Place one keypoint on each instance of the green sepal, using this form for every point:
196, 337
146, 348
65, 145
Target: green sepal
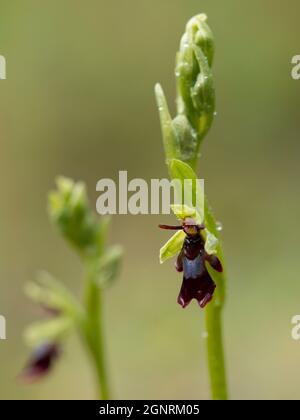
193, 197
211, 243
172, 247
182, 171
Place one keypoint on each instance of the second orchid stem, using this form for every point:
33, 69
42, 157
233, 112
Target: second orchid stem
94, 334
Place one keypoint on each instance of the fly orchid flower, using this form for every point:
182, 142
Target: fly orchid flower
193, 255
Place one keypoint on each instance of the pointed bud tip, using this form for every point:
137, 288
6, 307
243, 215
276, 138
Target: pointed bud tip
195, 20
158, 89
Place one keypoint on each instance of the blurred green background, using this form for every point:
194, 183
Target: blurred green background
79, 101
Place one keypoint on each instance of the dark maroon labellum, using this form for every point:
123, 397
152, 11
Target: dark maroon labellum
197, 282
40, 363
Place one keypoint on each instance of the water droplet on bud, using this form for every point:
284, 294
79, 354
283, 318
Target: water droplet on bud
219, 227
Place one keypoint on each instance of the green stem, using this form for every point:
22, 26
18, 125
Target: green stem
213, 321
215, 352
94, 333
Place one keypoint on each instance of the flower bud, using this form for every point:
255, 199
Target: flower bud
70, 212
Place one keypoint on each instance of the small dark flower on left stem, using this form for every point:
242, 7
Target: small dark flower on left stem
40, 362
